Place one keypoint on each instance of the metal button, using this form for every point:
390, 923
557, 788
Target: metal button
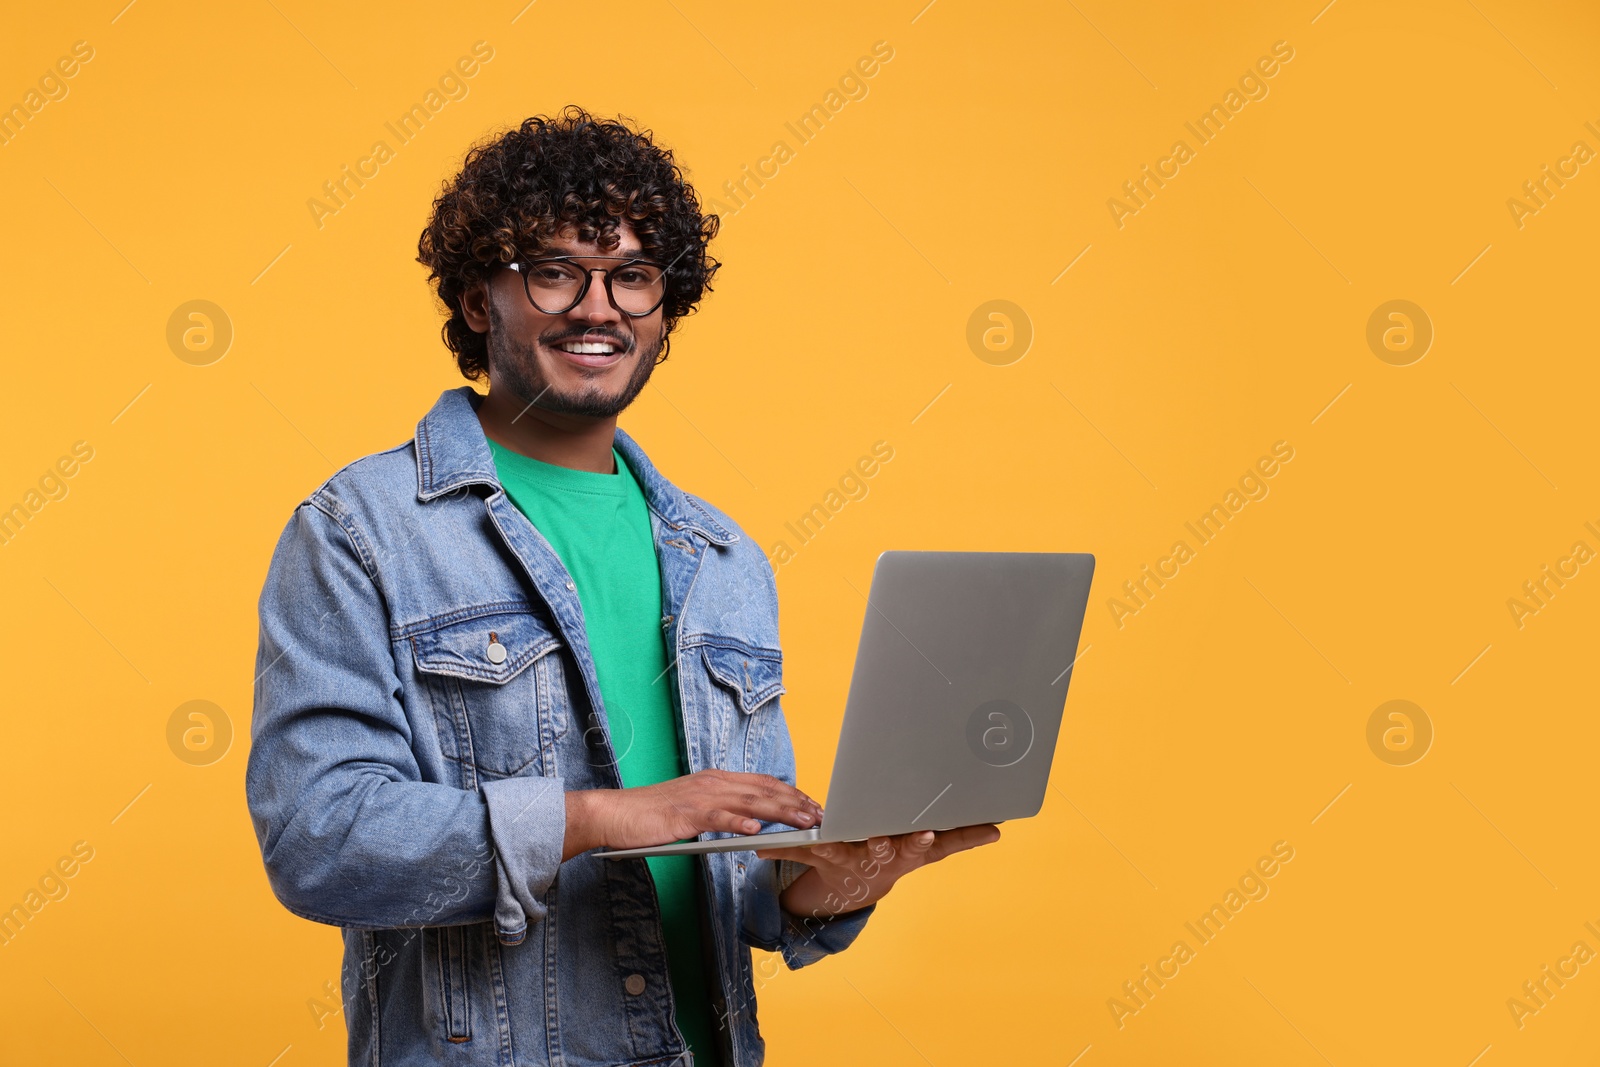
634, 984
570, 587
497, 651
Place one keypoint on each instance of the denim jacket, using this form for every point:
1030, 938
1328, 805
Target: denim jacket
424, 696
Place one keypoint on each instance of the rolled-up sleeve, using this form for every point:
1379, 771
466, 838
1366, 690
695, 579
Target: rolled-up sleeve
799, 939
350, 834
527, 822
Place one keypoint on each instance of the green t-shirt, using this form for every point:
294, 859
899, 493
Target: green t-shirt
599, 525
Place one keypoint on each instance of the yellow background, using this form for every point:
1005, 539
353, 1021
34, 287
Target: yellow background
1229, 313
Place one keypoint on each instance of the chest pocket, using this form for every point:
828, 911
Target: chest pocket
498, 695
747, 678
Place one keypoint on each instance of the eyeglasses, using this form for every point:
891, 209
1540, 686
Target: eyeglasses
556, 285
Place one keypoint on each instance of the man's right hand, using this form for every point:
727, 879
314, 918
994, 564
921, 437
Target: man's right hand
682, 808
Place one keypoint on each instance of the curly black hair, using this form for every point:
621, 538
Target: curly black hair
517, 191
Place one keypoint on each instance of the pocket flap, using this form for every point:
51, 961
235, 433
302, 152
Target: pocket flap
487, 648
754, 675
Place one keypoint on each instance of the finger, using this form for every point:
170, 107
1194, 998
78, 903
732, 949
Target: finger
766, 784
799, 853
860, 855
831, 854
748, 808
961, 839
900, 853
765, 797
725, 821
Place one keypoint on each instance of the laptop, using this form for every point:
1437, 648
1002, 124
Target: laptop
955, 700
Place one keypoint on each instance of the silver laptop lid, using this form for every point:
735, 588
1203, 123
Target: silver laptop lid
958, 690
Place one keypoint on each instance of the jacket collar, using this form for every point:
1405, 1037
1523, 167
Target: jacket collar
452, 452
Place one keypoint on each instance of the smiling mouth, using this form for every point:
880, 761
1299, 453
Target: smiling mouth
589, 348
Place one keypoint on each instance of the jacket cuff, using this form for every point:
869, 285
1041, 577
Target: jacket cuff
528, 828
801, 939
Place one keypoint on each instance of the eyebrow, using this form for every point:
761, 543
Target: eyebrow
621, 253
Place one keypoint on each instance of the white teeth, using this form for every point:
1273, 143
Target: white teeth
591, 348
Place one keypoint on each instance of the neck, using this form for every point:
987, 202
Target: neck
580, 442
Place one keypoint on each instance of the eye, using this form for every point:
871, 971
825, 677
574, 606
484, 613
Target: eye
551, 274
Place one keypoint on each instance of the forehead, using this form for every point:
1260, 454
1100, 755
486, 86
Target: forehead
566, 241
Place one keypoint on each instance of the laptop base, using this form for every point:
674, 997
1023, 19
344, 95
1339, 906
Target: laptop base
772, 839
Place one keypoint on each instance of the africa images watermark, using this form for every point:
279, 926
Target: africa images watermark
52, 486
1541, 190
52, 886
1252, 485
1538, 992
51, 86
1252, 86
1537, 592
352, 178
852, 87
1251, 886
806, 928
852, 485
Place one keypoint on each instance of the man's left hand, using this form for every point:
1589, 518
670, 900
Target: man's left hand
847, 876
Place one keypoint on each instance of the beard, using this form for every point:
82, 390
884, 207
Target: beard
517, 363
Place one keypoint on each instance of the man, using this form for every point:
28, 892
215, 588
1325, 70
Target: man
509, 641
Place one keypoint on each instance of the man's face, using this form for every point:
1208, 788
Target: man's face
531, 353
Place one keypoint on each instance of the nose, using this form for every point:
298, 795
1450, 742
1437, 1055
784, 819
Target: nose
596, 308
